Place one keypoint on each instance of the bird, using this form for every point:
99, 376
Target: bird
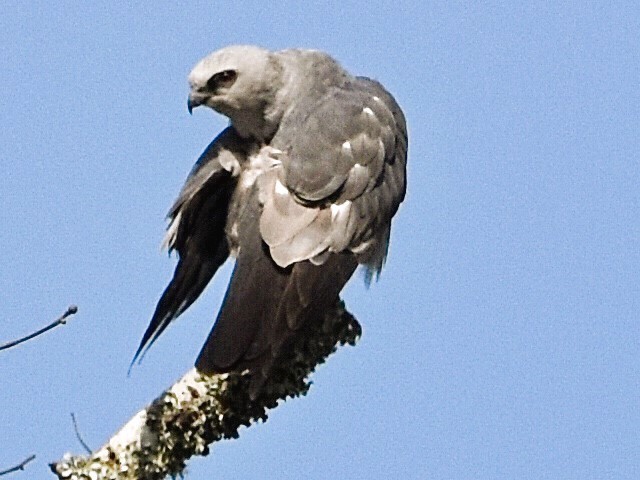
300, 189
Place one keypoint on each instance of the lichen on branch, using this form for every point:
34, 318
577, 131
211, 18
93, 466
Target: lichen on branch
201, 409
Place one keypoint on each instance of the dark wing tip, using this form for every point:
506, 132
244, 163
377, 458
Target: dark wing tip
157, 325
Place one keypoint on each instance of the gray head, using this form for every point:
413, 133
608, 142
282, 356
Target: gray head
240, 82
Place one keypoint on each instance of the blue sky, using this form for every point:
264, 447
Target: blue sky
502, 340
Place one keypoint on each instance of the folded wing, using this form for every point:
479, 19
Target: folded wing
323, 207
342, 178
197, 230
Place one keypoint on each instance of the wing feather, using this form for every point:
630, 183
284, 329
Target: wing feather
197, 231
349, 153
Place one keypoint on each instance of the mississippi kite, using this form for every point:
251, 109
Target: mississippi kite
300, 189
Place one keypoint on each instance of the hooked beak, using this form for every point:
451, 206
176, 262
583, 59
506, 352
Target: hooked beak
194, 101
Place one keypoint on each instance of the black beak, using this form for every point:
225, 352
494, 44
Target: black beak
193, 103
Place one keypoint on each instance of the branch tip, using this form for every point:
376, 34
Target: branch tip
60, 321
18, 467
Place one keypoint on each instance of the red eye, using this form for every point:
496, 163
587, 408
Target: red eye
225, 79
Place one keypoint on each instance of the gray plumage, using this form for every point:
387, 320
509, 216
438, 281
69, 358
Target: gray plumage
300, 188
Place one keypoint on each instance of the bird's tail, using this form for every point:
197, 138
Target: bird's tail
266, 305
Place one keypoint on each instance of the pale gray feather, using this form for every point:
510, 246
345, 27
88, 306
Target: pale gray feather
301, 187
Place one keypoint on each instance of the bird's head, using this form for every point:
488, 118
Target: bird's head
239, 82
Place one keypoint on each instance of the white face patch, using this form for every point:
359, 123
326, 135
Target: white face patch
368, 111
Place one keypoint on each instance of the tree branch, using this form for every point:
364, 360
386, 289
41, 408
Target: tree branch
199, 410
60, 321
18, 467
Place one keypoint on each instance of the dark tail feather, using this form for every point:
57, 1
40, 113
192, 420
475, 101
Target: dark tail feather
312, 291
265, 305
248, 310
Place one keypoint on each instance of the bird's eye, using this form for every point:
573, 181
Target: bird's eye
225, 79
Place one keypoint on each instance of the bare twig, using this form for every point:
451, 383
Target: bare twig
78, 436
18, 467
60, 321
